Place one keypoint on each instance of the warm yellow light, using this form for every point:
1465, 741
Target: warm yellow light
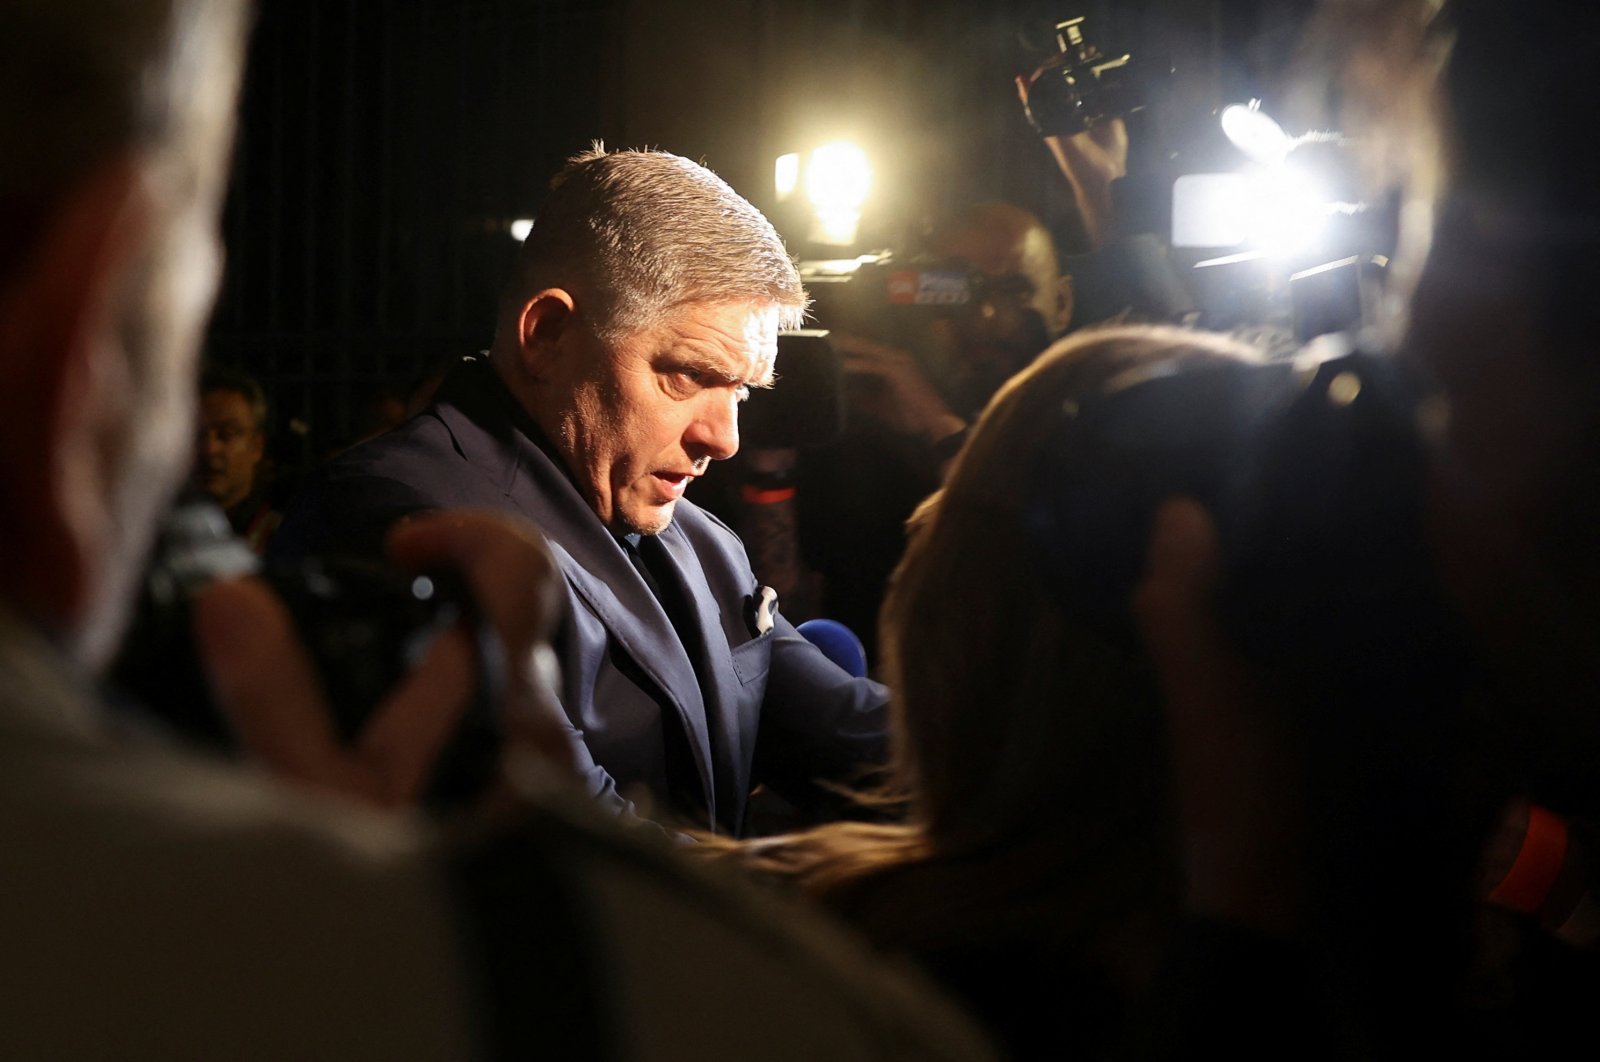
520, 229
786, 175
838, 178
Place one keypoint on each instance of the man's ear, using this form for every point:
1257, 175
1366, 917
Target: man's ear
1065, 300
65, 377
544, 321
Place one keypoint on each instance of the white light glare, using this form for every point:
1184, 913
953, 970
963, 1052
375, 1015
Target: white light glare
838, 177
520, 229
786, 175
1289, 211
1278, 211
1254, 133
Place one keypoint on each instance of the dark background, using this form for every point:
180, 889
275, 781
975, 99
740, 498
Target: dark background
386, 145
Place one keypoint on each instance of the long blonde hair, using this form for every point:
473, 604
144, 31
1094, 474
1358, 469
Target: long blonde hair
1024, 745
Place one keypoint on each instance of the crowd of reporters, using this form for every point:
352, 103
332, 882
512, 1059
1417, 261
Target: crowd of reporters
1268, 730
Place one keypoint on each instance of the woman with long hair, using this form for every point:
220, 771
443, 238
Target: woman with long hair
1031, 863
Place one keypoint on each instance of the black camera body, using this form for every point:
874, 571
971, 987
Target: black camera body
365, 626
892, 300
1088, 86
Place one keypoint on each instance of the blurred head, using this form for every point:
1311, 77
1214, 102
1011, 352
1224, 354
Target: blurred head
1499, 273
115, 124
645, 303
1013, 722
1024, 301
232, 437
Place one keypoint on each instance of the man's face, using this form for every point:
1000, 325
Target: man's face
229, 446
638, 419
1021, 307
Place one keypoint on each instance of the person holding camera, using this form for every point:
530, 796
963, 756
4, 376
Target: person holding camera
907, 410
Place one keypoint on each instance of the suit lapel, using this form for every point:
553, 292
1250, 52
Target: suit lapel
723, 688
481, 420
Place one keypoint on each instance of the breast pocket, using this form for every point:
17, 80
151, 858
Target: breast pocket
753, 659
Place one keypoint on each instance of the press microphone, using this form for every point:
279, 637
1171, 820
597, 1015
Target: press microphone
838, 643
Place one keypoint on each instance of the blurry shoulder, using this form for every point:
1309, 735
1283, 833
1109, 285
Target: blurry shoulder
169, 904
423, 438
753, 973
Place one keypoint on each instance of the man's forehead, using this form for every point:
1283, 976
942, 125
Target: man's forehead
738, 339
225, 405
1005, 251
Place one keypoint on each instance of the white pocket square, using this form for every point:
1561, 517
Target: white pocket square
766, 607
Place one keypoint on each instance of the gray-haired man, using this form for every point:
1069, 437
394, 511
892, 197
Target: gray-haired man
645, 304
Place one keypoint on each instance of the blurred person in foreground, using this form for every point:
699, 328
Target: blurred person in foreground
164, 906
1034, 872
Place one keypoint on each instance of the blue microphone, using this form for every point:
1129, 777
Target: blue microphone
838, 643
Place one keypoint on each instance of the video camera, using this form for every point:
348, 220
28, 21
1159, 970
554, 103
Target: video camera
893, 301
1278, 242
1086, 86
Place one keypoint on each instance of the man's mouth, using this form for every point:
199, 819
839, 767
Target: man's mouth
674, 483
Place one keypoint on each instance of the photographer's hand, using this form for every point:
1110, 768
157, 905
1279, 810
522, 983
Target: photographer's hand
1090, 161
1238, 770
266, 683
912, 405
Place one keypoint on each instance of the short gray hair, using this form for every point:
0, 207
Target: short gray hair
634, 234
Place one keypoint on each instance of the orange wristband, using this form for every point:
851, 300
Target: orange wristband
1538, 862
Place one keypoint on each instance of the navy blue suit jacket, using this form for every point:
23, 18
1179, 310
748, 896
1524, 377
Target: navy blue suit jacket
772, 710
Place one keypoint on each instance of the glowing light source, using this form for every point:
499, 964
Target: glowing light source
1275, 206
1279, 211
786, 175
1254, 133
1290, 211
839, 177
520, 229
836, 179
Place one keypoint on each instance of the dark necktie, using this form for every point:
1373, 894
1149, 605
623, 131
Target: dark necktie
650, 559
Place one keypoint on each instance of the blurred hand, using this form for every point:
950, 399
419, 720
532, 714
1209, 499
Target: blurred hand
910, 403
1238, 769
264, 679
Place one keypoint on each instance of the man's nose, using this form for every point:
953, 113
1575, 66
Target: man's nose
714, 433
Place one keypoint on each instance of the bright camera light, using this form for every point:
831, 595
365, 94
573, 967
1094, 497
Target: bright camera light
520, 229
838, 177
786, 175
1290, 211
1254, 133
1279, 211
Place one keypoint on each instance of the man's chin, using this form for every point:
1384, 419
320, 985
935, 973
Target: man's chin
647, 520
